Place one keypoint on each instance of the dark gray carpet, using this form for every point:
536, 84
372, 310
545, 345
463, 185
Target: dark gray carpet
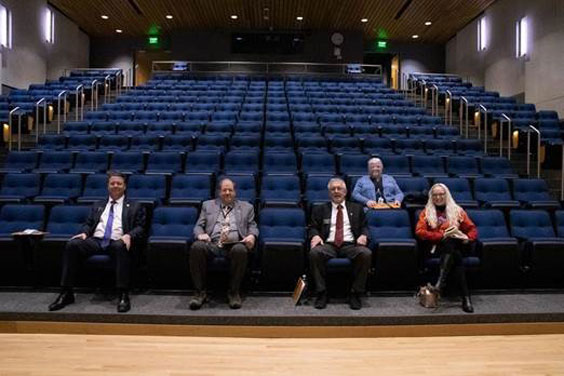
264, 310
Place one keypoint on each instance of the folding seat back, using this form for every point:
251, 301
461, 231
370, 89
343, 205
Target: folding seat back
211, 141
173, 223
280, 190
245, 186
318, 163
242, 162
531, 224
17, 187
353, 164
113, 143
103, 128
190, 189
51, 142
55, 161
559, 222
131, 129
408, 146
280, 163
204, 161
469, 147
490, 223
245, 142
344, 144
14, 218
388, 224
81, 142
311, 143
428, 166
497, 167
396, 165
533, 192
459, 189
179, 142
282, 224
95, 189
66, 220
146, 142
463, 166
76, 127
60, 188
90, 162
129, 162
19, 161
316, 189
164, 163
415, 189
149, 189
491, 190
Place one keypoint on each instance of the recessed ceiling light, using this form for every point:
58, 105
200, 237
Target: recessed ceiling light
428, 23
299, 18
415, 36
239, 38
169, 17
104, 17
119, 31
234, 16
364, 20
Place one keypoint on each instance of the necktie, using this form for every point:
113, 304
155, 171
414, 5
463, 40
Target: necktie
223, 235
339, 227
109, 225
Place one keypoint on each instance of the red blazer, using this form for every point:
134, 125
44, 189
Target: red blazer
425, 232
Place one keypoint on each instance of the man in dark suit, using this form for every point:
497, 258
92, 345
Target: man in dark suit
226, 227
115, 226
338, 229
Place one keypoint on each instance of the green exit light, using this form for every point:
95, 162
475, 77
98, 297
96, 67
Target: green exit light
382, 44
153, 40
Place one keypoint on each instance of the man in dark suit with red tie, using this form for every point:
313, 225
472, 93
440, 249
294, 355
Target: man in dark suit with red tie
114, 227
338, 229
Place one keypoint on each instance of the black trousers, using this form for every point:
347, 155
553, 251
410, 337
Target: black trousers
77, 250
202, 252
360, 256
452, 251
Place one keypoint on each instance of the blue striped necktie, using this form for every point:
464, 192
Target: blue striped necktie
109, 225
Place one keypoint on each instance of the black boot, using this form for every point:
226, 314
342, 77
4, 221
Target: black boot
467, 304
443, 274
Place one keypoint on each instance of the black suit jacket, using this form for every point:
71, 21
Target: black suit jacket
320, 221
133, 220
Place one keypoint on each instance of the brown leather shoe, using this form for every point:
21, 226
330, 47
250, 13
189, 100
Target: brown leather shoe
234, 299
198, 300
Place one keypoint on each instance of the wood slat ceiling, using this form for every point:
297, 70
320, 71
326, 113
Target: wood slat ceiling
137, 17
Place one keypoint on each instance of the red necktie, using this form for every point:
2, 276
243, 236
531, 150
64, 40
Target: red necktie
339, 227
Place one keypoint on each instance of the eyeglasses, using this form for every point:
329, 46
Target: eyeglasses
438, 194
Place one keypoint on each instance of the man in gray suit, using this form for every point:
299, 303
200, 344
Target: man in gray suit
226, 227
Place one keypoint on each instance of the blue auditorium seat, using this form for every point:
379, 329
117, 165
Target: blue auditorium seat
497, 167
494, 193
242, 162
190, 189
395, 250
543, 251
54, 161
206, 161
282, 244
280, 191
500, 253
128, 162
313, 162
463, 167
428, 166
245, 142
19, 187
460, 191
81, 142
164, 162
90, 162
178, 142
19, 161
103, 128
169, 239
95, 189
534, 194
280, 162
147, 189
51, 142
353, 164
148, 142
115, 143
211, 141
379, 146
59, 189
316, 191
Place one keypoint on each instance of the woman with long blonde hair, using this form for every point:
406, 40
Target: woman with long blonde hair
446, 227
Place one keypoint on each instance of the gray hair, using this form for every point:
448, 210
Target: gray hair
375, 159
334, 180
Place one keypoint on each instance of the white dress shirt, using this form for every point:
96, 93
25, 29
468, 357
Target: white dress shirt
347, 232
117, 228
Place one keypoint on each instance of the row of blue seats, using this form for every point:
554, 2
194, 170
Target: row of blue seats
272, 161
529, 240
277, 188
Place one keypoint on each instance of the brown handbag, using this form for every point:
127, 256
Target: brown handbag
428, 296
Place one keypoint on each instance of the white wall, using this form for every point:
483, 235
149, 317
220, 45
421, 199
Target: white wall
31, 60
540, 77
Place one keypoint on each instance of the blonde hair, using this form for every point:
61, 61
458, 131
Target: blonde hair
453, 212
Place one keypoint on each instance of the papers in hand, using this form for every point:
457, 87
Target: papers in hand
28, 232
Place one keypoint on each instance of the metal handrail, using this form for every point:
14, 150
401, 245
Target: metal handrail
78, 104
508, 121
448, 108
423, 85
42, 100
463, 100
19, 128
531, 128
94, 94
64, 93
108, 87
434, 100
482, 107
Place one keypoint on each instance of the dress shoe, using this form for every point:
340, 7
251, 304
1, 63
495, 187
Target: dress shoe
321, 300
467, 304
198, 300
354, 301
234, 300
64, 299
123, 304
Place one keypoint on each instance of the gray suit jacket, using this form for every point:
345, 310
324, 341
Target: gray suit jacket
244, 214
